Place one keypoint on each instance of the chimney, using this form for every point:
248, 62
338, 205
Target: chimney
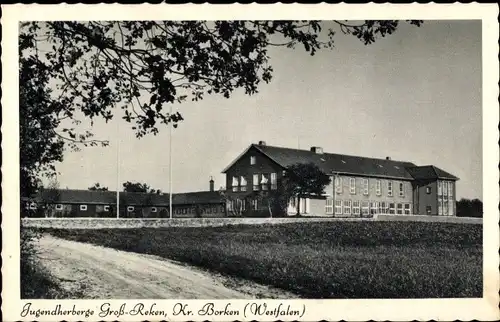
317, 150
262, 142
387, 158
211, 184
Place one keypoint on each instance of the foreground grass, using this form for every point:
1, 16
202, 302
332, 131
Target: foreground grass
322, 260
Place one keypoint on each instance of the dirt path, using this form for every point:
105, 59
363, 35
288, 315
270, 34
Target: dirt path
92, 272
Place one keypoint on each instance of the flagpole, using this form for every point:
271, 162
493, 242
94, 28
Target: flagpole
170, 166
118, 169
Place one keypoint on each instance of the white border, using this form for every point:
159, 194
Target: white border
442, 309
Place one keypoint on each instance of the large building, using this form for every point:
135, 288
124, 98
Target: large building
91, 203
359, 186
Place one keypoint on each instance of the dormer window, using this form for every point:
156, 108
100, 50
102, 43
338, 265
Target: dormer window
252, 160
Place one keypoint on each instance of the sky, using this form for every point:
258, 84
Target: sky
414, 96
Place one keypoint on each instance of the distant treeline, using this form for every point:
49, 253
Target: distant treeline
470, 208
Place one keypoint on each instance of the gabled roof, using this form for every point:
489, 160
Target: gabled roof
129, 198
431, 172
335, 163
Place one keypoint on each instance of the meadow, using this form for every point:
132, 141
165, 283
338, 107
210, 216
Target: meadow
320, 259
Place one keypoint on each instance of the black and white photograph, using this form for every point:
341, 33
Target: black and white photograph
202, 167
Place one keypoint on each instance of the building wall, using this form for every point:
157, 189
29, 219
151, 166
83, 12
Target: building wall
426, 203
243, 167
374, 201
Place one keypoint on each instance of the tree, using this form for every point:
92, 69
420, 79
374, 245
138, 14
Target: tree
50, 196
143, 68
469, 208
139, 187
304, 179
97, 187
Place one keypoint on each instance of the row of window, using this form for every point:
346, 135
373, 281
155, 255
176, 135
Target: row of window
445, 188
260, 181
339, 188
365, 207
106, 208
240, 205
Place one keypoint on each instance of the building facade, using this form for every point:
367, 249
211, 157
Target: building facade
359, 187
102, 204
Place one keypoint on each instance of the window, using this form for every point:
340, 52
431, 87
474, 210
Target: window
391, 208
378, 187
229, 205
59, 207
373, 207
255, 182
338, 184
338, 207
264, 182
355, 207
365, 186
445, 207
428, 210
235, 184
252, 160
365, 207
243, 184
106, 208
240, 204
450, 189
83, 207
347, 207
329, 207
254, 204
428, 190
445, 188
400, 209
130, 208
407, 209
451, 209
352, 185
401, 189
440, 188
383, 207
274, 181
153, 209
389, 188
440, 207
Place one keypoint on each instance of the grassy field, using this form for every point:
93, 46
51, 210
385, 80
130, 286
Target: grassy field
322, 260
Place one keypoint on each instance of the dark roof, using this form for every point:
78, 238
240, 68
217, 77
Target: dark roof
129, 198
429, 172
338, 163
331, 163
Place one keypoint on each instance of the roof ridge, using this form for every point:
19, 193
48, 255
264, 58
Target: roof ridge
434, 169
330, 153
